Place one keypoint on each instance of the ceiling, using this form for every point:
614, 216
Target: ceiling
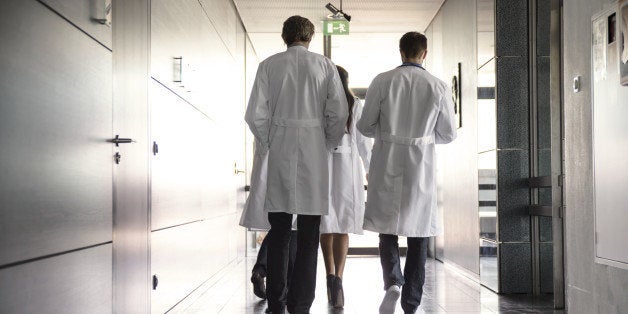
376, 26
380, 16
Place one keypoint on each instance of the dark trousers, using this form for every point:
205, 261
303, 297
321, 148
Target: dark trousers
261, 263
301, 294
413, 275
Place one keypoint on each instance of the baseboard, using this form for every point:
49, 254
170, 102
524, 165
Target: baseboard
460, 270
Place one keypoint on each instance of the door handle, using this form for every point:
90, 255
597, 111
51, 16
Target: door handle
236, 170
117, 140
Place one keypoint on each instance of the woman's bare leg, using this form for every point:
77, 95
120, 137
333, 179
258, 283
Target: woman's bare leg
327, 246
340, 247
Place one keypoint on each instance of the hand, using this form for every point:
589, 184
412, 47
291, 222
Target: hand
367, 177
260, 237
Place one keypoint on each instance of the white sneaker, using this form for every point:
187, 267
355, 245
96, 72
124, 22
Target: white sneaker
390, 300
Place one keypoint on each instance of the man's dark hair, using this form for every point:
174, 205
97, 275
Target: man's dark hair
297, 28
413, 44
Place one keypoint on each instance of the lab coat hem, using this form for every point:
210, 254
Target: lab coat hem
252, 229
401, 233
358, 232
295, 212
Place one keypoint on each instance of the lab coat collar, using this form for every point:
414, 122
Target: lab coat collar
297, 46
407, 64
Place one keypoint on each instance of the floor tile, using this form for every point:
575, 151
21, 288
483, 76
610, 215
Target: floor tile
445, 291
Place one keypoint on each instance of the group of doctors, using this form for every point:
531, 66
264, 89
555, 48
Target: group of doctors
307, 179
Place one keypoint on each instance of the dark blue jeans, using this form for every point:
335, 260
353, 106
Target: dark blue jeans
413, 276
300, 296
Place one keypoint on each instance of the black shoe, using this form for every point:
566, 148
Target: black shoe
330, 284
338, 294
259, 288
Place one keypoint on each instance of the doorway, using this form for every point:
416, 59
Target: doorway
520, 153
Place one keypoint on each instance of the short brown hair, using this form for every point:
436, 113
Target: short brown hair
297, 28
412, 44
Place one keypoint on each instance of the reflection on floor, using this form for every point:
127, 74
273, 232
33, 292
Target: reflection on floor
488, 271
446, 291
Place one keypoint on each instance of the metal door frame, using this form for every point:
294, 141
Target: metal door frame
131, 177
557, 149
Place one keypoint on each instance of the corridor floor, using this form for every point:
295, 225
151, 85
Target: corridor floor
445, 291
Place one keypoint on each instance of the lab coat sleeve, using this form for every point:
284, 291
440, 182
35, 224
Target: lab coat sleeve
370, 114
258, 112
335, 112
445, 130
365, 144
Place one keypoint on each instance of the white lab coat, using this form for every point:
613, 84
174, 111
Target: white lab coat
253, 216
297, 110
346, 183
407, 111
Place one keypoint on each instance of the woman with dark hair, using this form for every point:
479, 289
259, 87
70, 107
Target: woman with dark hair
346, 196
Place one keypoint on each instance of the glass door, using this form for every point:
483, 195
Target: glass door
487, 145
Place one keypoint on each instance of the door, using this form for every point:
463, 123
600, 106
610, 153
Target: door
56, 162
546, 150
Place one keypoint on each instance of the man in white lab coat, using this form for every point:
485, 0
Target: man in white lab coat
297, 110
407, 111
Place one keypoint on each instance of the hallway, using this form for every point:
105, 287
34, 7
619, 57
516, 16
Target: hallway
445, 291
126, 161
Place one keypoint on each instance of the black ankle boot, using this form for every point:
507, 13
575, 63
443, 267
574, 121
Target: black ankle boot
330, 285
259, 287
338, 295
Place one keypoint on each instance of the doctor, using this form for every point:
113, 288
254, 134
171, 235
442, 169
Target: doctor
407, 111
296, 111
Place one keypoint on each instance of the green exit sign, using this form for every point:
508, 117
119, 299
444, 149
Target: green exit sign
339, 27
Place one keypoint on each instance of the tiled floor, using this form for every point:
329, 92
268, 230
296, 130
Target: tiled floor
446, 291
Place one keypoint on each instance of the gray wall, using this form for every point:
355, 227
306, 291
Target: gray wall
452, 39
590, 287
198, 124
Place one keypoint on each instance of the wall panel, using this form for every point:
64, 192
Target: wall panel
78, 282
457, 162
224, 18
590, 287
208, 70
79, 13
55, 120
197, 187
184, 257
186, 170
